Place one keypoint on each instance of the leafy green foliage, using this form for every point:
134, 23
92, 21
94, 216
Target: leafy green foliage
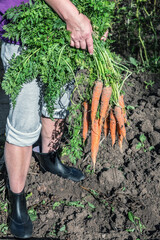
33, 214
47, 56
4, 228
148, 83
136, 221
63, 229
70, 203
141, 144
136, 32
3, 206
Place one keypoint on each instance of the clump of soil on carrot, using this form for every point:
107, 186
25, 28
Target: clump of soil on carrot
98, 207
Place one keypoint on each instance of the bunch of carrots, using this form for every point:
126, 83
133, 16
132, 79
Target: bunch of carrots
107, 111
110, 119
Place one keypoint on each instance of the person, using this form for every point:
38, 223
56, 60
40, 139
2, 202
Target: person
28, 119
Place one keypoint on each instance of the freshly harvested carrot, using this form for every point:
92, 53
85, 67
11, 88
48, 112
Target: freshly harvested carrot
120, 138
106, 95
95, 139
120, 120
122, 105
112, 127
85, 120
97, 90
106, 127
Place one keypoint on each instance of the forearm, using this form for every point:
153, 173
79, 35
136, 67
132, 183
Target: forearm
64, 8
78, 24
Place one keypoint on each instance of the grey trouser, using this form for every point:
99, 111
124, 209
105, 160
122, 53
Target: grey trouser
24, 120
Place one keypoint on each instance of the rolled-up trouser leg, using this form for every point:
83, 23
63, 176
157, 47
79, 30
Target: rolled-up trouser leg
23, 123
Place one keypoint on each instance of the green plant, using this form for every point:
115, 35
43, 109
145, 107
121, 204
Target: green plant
141, 144
136, 30
33, 214
88, 169
29, 195
75, 204
150, 83
3, 206
95, 193
57, 204
52, 233
3, 228
129, 107
63, 229
92, 207
70, 203
136, 221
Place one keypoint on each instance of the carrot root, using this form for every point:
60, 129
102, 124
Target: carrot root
106, 127
120, 139
105, 98
122, 105
95, 139
112, 127
85, 120
120, 120
97, 90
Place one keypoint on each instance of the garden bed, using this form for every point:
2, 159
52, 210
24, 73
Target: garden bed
121, 199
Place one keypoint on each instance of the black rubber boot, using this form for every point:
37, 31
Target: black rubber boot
2, 164
19, 221
50, 162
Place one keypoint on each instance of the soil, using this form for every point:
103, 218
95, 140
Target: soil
120, 200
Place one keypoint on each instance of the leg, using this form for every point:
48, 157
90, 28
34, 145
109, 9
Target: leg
17, 163
51, 133
22, 130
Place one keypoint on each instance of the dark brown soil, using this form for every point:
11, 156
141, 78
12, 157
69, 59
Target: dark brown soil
123, 183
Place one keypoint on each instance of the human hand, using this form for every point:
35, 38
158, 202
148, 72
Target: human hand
105, 36
81, 33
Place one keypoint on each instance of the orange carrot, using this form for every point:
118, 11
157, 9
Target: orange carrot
85, 120
122, 105
106, 127
120, 120
120, 138
106, 95
95, 139
112, 127
97, 90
